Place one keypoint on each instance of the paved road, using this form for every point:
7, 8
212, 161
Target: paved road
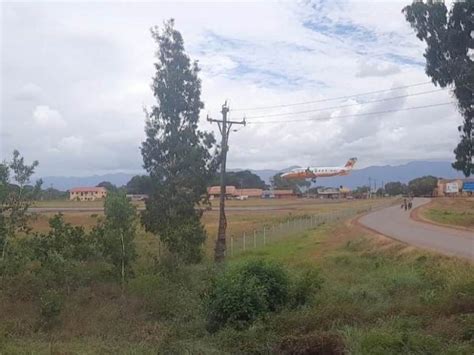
396, 223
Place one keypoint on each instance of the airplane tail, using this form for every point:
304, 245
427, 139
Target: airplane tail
350, 163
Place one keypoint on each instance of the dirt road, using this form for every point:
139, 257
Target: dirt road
396, 223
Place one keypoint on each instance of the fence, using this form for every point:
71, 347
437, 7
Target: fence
292, 225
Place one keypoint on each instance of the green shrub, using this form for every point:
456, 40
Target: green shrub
245, 292
305, 286
50, 308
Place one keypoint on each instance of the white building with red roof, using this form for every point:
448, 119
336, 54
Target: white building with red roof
87, 193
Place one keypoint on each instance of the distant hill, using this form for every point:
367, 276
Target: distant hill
360, 177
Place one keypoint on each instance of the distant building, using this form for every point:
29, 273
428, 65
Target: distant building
242, 194
249, 193
334, 193
215, 191
284, 194
454, 187
87, 193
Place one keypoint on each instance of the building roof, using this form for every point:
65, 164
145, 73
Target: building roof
88, 189
248, 192
216, 190
283, 192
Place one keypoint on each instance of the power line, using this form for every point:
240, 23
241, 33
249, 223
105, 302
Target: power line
352, 115
344, 106
332, 98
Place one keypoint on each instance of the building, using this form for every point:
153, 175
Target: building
215, 192
87, 193
284, 194
243, 194
248, 193
334, 193
454, 187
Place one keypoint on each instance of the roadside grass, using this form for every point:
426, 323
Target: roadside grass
457, 212
378, 297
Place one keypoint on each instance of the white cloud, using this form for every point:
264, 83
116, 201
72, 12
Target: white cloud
372, 68
47, 117
71, 145
29, 92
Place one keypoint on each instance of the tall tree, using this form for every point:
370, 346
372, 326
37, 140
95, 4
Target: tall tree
423, 186
139, 184
241, 179
175, 153
450, 42
395, 188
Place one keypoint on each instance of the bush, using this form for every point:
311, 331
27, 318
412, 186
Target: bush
50, 308
305, 287
246, 292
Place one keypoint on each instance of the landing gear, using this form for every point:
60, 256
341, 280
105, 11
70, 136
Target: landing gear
313, 180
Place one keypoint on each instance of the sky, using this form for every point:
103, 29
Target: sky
75, 79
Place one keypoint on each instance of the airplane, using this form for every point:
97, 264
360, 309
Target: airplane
317, 172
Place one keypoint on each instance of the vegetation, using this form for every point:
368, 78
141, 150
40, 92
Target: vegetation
395, 188
175, 153
139, 185
15, 198
423, 186
241, 179
108, 186
360, 295
448, 36
115, 237
456, 212
296, 185
246, 292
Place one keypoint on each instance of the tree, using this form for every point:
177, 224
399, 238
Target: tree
175, 153
116, 235
296, 185
139, 184
108, 186
395, 188
423, 186
241, 179
449, 40
15, 199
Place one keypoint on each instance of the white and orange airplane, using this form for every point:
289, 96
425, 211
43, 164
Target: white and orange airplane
318, 172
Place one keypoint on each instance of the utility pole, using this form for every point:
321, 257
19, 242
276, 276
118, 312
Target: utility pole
224, 128
370, 188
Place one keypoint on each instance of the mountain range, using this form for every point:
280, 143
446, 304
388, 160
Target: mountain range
358, 177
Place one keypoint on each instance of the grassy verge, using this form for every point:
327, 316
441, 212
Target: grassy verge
456, 212
378, 297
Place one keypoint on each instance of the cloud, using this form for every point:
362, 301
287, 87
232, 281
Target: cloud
46, 117
371, 68
29, 92
94, 61
71, 145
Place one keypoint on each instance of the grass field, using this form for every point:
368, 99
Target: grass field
378, 297
451, 211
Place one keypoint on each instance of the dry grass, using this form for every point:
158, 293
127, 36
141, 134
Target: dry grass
450, 211
238, 221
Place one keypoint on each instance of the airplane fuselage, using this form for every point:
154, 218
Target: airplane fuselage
315, 172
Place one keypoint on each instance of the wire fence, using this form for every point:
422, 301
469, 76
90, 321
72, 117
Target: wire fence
270, 233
